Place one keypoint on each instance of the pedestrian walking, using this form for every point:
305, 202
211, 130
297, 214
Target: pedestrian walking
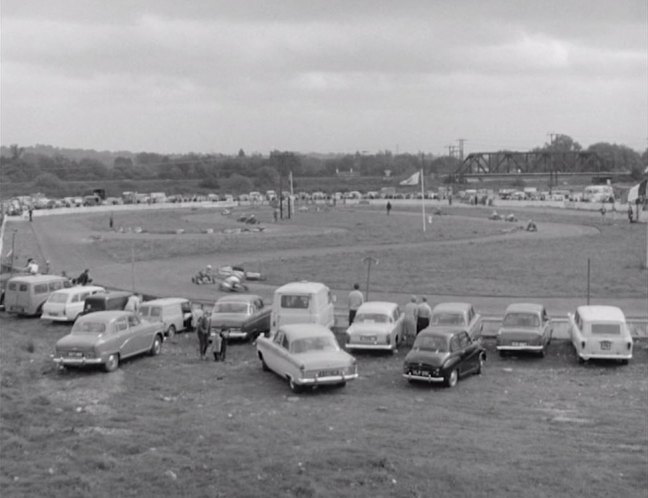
410, 311
389, 207
424, 313
202, 331
355, 300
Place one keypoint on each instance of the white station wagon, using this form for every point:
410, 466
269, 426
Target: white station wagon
377, 325
65, 305
600, 332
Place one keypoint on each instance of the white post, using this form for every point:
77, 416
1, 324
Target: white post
423, 198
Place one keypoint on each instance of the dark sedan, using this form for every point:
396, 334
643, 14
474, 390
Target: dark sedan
443, 355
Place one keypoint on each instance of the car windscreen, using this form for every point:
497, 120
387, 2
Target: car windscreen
88, 327
231, 308
432, 343
606, 328
521, 320
57, 298
295, 302
371, 318
309, 344
445, 318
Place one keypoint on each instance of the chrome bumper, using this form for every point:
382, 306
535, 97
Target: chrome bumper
423, 378
333, 379
382, 347
78, 361
528, 347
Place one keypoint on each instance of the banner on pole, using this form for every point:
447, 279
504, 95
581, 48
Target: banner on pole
412, 180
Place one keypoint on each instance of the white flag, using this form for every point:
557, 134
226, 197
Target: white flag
412, 180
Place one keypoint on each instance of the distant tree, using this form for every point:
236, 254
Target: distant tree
15, 151
92, 169
616, 157
210, 182
236, 184
49, 184
241, 153
562, 143
266, 176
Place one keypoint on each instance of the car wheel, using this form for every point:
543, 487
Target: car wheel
541, 353
156, 347
341, 384
624, 362
480, 364
112, 363
294, 387
452, 378
581, 360
171, 332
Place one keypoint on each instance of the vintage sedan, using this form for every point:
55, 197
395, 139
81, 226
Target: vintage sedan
600, 332
525, 327
377, 325
240, 316
307, 355
443, 354
106, 338
458, 315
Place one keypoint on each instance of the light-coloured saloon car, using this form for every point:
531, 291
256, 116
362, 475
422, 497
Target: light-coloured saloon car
377, 325
525, 327
307, 355
600, 332
458, 315
106, 338
65, 305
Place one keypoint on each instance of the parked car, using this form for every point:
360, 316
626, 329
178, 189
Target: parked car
600, 332
240, 316
307, 355
105, 301
443, 354
65, 305
460, 315
377, 325
174, 313
26, 294
525, 327
303, 302
106, 338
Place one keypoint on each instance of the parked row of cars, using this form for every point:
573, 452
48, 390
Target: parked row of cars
293, 335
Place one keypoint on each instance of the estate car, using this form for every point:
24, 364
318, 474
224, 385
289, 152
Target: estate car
600, 332
65, 305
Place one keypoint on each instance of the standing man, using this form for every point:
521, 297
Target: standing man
389, 206
31, 212
355, 300
133, 303
409, 323
202, 331
423, 316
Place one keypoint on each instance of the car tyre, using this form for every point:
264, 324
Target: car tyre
580, 359
156, 347
452, 378
171, 332
112, 363
624, 362
264, 365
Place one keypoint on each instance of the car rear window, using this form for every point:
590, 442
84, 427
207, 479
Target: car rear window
447, 319
606, 328
231, 308
521, 320
86, 327
431, 343
371, 318
295, 302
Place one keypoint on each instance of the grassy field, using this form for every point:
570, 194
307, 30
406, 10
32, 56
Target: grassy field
461, 252
173, 425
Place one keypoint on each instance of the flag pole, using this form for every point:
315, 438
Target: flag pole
423, 199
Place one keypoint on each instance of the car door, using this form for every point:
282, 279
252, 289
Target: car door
141, 333
456, 354
469, 348
272, 351
126, 339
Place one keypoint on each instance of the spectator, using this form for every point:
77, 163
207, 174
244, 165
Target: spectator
84, 278
423, 316
355, 300
31, 213
133, 303
202, 331
47, 267
32, 267
409, 324
389, 207
630, 213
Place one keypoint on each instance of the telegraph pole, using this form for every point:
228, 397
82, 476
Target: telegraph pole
461, 148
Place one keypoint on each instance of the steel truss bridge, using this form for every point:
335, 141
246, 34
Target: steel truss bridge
540, 163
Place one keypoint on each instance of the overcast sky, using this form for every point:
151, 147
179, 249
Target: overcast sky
322, 76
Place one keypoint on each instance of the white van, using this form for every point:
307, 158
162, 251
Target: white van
302, 302
65, 305
174, 312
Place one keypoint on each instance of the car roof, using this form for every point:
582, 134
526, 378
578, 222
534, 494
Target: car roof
452, 307
165, 300
603, 313
301, 287
441, 330
524, 308
237, 298
302, 330
36, 279
78, 288
376, 307
108, 294
104, 316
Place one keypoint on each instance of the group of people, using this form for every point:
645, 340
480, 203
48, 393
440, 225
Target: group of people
205, 337
417, 313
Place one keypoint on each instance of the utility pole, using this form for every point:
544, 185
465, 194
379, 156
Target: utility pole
451, 150
369, 261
